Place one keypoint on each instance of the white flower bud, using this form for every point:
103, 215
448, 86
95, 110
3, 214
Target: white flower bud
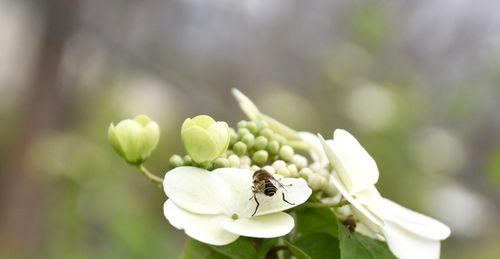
234, 161
269, 169
306, 173
279, 164
314, 182
294, 172
283, 172
299, 161
245, 160
286, 152
255, 167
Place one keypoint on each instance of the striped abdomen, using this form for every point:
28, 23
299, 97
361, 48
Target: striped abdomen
269, 189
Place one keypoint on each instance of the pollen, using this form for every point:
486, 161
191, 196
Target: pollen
234, 216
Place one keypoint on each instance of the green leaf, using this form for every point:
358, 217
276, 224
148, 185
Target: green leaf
266, 245
197, 250
357, 246
297, 252
316, 220
318, 246
242, 248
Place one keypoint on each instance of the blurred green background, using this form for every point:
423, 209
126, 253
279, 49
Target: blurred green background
416, 81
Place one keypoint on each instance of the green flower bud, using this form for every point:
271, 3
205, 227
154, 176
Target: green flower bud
261, 124
330, 190
205, 139
268, 133
255, 167
306, 173
242, 132
242, 124
176, 161
314, 181
273, 147
260, 142
134, 140
260, 157
286, 152
252, 127
221, 162
240, 148
248, 139
279, 138
233, 136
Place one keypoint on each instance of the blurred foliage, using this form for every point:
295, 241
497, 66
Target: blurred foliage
417, 83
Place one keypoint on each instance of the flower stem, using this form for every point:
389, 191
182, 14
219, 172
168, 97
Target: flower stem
326, 204
153, 178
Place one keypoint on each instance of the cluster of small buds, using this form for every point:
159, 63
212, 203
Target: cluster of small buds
253, 145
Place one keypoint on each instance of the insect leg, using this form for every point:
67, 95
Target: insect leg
283, 194
258, 204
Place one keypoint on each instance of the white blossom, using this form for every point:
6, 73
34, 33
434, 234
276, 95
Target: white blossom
408, 234
216, 207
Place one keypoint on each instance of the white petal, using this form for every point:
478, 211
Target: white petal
317, 154
407, 245
365, 230
204, 228
246, 104
412, 221
295, 191
368, 196
267, 226
195, 190
238, 191
356, 168
368, 217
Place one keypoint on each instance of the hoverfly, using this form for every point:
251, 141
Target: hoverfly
264, 182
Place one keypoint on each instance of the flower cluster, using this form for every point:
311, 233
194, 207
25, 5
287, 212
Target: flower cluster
215, 196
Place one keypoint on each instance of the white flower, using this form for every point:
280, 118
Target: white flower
408, 234
215, 207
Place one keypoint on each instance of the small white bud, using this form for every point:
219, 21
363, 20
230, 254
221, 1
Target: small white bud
279, 164
294, 172
234, 161
314, 182
246, 167
284, 172
255, 167
269, 169
306, 173
299, 161
245, 160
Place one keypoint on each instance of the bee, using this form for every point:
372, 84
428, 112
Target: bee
264, 182
350, 223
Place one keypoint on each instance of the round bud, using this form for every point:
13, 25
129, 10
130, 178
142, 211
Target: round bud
188, 160
273, 147
240, 148
245, 160
299, 161
255, 167
330, 190
279, 164
315, 166
294, 172
241, 124
260, 143
269, 169
176, 161
268, 133
283, 172
261, 125
248, 139
233, 136
314, 182
306, 173
252, 127
260, 157
323, 172
242, 132
234, 161
279, 138
286, 152
221, 162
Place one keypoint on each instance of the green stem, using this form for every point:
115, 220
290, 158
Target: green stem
153, 178
326, 204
